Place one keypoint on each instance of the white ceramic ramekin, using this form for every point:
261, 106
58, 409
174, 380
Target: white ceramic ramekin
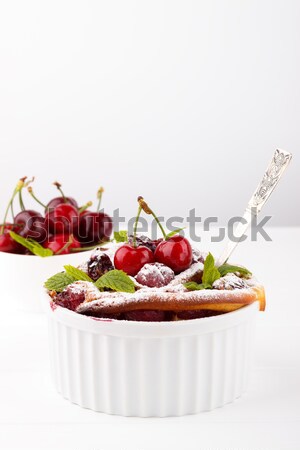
23, 275
150, 369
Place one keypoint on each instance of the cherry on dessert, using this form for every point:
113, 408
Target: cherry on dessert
155, 275
144, 240
62, 219
31, 224
70, 298
62, 244
98, 265
94, 227
175, 252
131, 259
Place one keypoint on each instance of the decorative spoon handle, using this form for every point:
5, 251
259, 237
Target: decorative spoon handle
273, 174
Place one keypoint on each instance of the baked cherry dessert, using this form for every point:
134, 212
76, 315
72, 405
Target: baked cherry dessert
155, 283
63, 227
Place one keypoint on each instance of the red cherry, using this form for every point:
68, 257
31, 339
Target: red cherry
93, 227
31, 224
59, 200
131, 259
83, 213
70, 297
62, 218
57, 242
175, 252
7, 244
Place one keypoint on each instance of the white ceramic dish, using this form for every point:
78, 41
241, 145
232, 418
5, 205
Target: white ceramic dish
150, 369
23, 275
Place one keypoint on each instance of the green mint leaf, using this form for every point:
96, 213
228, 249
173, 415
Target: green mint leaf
172, 233
117, 280
39, 250
210, 274
193, 286
228, 268
121, 236
59, 282
77, 274
210, 271
35, 248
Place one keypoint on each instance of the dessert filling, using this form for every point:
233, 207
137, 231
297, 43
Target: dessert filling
125, 282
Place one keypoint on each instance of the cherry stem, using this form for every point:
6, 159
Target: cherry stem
99, 197
17, 189
58, 185
21, 200
148, 210
136, 224
29, 189
160, 225
12, 211
66, 246
84, 207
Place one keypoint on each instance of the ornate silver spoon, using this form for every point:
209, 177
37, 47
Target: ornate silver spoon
273, 174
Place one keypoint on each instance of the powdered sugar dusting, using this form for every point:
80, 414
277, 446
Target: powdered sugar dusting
230, 282
229, 289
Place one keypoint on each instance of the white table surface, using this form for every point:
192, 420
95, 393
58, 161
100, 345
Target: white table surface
33, 416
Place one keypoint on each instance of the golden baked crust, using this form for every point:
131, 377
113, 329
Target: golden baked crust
151, 299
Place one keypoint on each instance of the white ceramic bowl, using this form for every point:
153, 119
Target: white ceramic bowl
23, 275
150, 369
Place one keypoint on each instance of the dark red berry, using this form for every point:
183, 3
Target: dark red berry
155, 275
71, 297
62, 219
98, 265
94, 227
145, 316
57, 242
8, 245
31, 224
131, 259
175, 252
59, 200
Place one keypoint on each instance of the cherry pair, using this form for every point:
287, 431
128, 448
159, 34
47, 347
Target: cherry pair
174, 252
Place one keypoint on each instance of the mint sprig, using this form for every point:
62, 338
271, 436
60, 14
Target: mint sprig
116, 280
211, 273
35, 248
59, 282
121, 236
228, 268
77, 274
193, 286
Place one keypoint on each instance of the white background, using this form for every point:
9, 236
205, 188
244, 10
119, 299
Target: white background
183, 102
